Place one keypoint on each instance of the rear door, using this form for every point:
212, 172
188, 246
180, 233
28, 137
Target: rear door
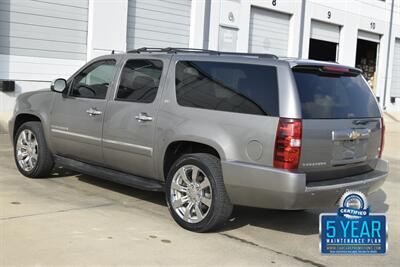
128, 135
341, 123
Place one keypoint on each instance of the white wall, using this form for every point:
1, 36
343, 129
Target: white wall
351, 16
107, 27
29, 74
395, 34
107, 31
39, 41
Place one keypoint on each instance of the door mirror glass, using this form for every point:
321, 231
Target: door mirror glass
59, 85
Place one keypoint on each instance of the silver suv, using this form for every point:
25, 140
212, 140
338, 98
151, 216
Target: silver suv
209, 129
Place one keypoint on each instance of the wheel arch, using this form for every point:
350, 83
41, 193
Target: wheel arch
177, 148
22, 118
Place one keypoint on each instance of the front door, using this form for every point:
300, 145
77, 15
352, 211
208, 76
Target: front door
129, 126
77, 117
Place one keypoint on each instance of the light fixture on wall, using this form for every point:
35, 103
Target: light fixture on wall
7, 86
231, 17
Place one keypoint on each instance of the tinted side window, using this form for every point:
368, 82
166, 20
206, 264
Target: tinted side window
140, 80
232, 87
334, 96
93, 82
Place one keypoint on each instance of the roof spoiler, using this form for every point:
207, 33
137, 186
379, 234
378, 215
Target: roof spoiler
329, 69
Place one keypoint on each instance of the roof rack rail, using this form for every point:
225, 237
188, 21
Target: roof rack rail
175, 50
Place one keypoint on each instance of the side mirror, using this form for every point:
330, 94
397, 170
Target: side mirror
58, 85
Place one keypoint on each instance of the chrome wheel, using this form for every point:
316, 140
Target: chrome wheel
191, 194
27, 150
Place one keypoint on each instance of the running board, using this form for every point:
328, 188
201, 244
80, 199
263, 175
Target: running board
110, 175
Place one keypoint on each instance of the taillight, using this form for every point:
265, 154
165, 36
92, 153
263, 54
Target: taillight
382, 137
288, 144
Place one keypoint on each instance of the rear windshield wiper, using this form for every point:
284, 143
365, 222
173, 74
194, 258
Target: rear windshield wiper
364, 122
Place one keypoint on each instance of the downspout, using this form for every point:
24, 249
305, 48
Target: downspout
207, 17
302, 19
388, 56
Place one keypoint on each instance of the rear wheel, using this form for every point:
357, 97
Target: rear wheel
196, 194
32, 157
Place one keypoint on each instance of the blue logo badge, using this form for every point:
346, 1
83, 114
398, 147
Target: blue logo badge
353, 230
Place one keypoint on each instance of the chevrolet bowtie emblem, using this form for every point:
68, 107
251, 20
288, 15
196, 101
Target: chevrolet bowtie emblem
354, 135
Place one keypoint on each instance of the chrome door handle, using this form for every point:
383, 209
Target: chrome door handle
142, 117
93, 112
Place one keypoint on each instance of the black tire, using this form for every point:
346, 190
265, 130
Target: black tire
220, 208
45, 162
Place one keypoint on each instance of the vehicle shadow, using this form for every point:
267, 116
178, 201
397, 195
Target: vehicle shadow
60, 172
305, 222
157, 198
301, 222
377, 202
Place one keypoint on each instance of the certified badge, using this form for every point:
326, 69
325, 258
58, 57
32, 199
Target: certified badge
353, 229
353, 205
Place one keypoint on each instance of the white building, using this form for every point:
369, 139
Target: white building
44, 40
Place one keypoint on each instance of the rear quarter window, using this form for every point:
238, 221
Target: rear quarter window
327, 96
231, 87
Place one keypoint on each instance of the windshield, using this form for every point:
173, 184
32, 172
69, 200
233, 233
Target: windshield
334, 96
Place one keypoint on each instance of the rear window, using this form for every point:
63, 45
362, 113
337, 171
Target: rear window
334, 96
232, 87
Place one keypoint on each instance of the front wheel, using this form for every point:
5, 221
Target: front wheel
196, 194
32, 156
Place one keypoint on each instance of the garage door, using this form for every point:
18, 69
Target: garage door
325, 31
158, 23
368, 36
269, 32
395, 89
46, 29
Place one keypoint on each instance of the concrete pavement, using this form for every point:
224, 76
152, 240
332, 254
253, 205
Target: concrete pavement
73, 219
